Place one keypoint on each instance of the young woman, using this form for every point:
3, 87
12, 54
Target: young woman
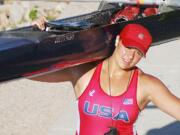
111, 94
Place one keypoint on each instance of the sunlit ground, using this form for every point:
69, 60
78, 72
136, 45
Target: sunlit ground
35, 108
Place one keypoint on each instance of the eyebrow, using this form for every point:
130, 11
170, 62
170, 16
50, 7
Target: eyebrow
136, 49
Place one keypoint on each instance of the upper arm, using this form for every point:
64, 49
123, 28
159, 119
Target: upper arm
57, 76
161, 96
72, 74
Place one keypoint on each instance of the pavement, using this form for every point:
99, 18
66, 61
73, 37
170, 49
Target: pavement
38, 108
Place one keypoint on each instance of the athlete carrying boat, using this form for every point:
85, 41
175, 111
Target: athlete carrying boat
111, 94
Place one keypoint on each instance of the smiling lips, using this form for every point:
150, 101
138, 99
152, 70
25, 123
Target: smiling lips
126, 61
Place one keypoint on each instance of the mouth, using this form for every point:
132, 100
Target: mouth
126, 62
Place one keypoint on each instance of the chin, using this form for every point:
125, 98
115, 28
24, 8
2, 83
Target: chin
126, 67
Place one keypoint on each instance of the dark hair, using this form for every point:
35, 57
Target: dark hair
112, 131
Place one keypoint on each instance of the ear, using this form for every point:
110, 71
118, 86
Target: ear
117, 40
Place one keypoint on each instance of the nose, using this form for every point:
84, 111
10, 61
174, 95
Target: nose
130, 54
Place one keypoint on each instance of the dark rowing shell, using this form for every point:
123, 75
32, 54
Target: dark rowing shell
73, 41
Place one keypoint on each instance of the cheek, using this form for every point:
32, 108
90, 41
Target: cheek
122, 51
137, 59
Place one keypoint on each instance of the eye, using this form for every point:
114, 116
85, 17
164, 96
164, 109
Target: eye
136, 50
129, 48
139, 53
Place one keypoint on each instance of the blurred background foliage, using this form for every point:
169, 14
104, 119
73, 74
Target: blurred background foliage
15, 14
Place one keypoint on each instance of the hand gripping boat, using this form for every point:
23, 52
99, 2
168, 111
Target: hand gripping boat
72, 41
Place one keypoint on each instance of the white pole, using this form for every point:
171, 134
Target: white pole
175, 3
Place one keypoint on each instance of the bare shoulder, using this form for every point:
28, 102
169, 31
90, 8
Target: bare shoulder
86, 76
82, 71
156, 91
151, 85
83, 81
148, 80
148, 85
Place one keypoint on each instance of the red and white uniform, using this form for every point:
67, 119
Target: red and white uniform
98, 111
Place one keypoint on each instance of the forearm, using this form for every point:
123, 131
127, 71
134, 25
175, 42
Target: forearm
58, 76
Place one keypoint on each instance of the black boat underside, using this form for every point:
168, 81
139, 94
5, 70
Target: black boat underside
72, 41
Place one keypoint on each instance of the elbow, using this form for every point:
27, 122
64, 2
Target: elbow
177, 117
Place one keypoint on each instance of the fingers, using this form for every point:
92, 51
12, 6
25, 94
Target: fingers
117, 41
40, 23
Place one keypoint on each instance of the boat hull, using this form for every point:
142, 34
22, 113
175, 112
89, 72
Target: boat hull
35, 52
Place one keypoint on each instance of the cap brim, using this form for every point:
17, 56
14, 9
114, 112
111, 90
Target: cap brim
133, 44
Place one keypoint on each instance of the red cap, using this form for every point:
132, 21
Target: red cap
137, 36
